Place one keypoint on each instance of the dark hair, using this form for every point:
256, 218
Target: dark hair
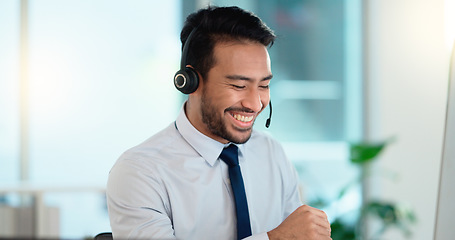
220, 24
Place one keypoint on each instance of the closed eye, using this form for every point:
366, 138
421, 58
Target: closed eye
264, 87
237, 86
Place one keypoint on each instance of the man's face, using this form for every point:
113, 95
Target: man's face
235, 92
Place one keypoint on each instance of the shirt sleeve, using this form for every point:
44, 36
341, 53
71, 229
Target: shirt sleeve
137, 204
291, 194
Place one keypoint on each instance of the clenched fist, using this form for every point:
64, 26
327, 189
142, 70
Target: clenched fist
305, 223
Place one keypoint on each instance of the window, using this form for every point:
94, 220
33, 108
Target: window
99, 81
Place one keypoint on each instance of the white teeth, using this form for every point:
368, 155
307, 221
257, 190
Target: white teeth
243, 118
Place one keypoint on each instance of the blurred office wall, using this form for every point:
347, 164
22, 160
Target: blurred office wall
407, 67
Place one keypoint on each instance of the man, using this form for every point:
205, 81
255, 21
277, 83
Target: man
178, 185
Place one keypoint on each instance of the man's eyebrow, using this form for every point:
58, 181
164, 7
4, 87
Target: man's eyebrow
240, 77
268, 77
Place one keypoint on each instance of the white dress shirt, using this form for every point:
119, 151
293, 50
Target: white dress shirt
174, 186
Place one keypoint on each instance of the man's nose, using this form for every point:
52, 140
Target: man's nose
252, 100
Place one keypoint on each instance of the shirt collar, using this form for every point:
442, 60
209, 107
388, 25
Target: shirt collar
208, 148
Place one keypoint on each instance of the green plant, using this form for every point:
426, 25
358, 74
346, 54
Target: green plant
386, 214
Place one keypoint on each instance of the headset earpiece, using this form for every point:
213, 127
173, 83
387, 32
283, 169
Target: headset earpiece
186, 80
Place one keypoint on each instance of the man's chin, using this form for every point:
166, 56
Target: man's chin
240, 136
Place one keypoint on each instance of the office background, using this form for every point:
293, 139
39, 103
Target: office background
82, 81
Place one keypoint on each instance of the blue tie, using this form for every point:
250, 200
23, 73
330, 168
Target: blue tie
230, 156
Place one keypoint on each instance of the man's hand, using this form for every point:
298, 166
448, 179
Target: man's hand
305, 223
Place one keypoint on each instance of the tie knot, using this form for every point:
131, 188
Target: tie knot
230, 155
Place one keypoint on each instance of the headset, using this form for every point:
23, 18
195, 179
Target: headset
186, 80
269, 120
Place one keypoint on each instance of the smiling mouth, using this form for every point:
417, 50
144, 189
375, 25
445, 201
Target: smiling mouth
242, 118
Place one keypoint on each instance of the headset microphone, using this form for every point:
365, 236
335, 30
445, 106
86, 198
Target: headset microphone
267, 123
186, 80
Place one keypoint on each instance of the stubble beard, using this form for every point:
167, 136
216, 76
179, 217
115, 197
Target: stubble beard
217, 125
